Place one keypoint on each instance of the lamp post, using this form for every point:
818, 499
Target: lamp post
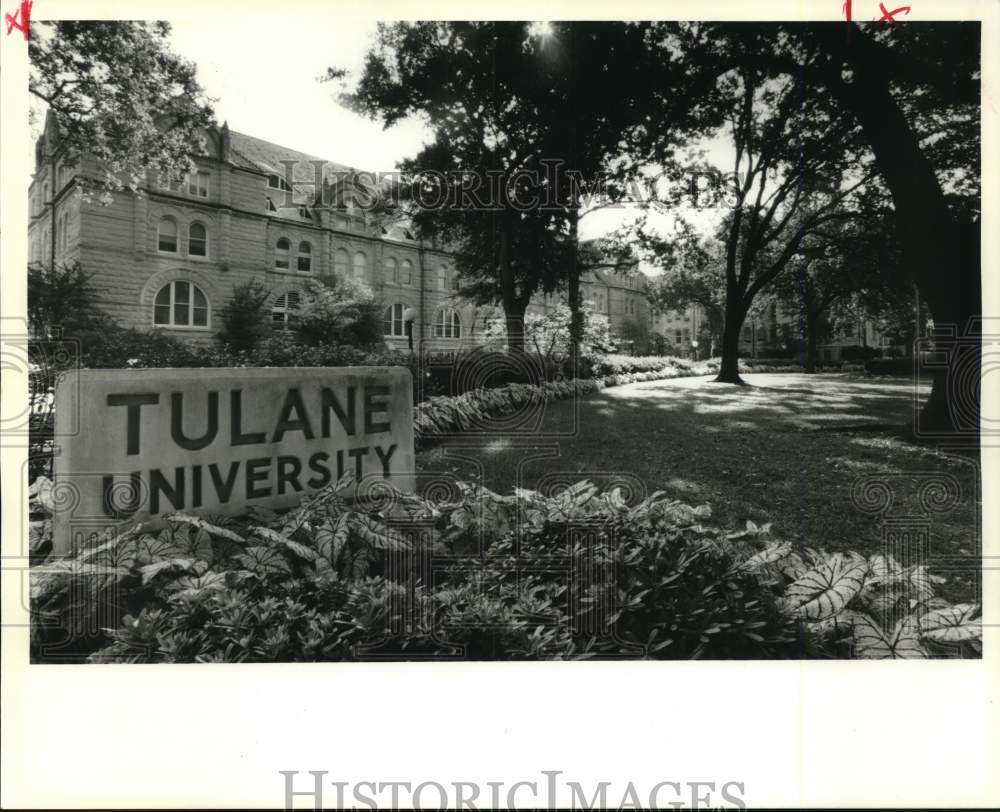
409, 314
694, 349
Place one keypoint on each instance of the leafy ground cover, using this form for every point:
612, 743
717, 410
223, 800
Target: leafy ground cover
578, 574
789, 449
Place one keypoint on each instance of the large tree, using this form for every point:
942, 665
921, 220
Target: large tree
836, 267
525, 118
914, 90
120, 95
789, 179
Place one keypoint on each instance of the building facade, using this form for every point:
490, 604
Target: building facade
169, 257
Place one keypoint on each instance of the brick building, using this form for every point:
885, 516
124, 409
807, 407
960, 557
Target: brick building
170, 257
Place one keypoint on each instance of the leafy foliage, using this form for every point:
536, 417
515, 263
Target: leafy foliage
61, 298
339, 312
577, 573
548, 333
120, 95
245, 317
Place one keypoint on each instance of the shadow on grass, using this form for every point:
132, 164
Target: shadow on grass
779, 449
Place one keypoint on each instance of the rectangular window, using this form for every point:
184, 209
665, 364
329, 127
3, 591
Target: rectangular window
198, 184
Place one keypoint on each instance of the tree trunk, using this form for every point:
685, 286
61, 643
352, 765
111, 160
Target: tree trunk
573, 290
729, 369
942, 255
513, 308
812, 326
514, 321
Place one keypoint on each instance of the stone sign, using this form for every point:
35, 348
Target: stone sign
133, 445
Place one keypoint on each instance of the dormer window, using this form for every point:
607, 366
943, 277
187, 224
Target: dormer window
278, 182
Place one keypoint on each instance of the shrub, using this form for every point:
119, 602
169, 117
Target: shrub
575, 574
61, 298
890, 366
245, 317
130, 348
339, 312
860, 353
547, 334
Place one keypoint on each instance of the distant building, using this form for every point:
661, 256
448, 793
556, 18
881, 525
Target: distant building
170, 257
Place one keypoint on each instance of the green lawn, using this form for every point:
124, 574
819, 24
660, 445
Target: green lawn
787, 449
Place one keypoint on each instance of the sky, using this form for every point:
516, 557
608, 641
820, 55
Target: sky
267, 86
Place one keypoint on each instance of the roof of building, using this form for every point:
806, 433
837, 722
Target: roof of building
264, 156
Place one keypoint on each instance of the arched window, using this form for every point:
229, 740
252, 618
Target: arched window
281, 251
447, 324
442, 278
391, 271
360, 264
303, 261
269, 206
340, 263
406, 273
180, 304
393, 320
285, 311
197, 240
166, 236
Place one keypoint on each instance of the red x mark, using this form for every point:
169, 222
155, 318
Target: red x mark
890, 16
24, 12
887, 16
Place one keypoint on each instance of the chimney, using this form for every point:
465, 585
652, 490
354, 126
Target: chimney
225, 145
